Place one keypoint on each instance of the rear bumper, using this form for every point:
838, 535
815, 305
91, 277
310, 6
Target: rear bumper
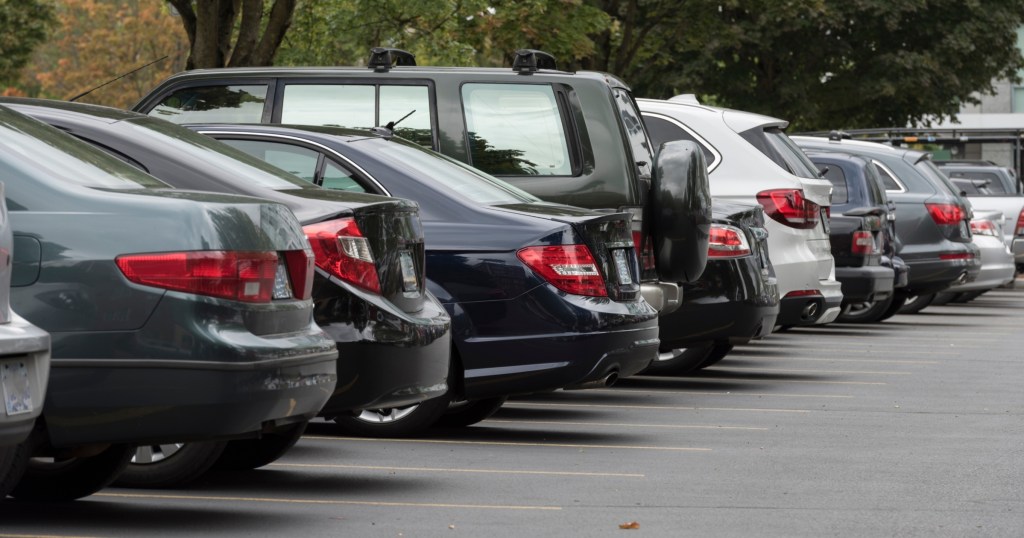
865, 284
25, 364
997, 266
1018, 250
812, 309
931, 275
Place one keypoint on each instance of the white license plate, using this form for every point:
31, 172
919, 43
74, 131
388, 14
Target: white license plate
622, 267
17, 387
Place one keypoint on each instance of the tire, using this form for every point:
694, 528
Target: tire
943, 298
894, 308
72, 478
170, 465
872, 312
684, 361
393, 422
249, 454
917, 303
968, 296
13, 462
467, 413
720, 350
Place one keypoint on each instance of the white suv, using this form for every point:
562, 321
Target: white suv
751, 159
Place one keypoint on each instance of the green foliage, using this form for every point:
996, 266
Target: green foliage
24, 25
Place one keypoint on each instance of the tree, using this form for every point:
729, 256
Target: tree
97, 40
233, 33
25, 24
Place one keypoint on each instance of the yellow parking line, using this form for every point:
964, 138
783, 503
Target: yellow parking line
659, 407
508, 443
625, 425
804, 371
319, 501
710, 393
447, 470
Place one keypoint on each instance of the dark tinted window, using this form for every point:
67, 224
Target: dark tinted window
641, 147
875, 185
840, 191
662, 131
775, 145
887, 179
214, 104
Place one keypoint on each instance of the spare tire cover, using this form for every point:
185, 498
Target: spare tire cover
681, 211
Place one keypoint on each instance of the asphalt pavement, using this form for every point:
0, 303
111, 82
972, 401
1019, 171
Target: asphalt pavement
911, 427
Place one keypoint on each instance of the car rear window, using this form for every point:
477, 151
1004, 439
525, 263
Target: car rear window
214, 104
840, 191
662, 130
516, 130
34, 150
932, 172
778, 147
995, 185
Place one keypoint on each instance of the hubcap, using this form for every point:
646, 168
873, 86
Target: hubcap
148, 454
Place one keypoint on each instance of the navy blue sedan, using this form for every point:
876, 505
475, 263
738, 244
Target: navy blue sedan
542, 296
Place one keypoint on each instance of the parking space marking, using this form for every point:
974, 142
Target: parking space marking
627, 425
658, 407
721, 393
447, 470
320, 501
808, 381
835, 359
43, 536
510, 443
805, 371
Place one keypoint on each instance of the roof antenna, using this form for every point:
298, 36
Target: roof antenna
87, 92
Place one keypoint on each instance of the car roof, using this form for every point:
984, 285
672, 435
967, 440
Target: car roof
737, 120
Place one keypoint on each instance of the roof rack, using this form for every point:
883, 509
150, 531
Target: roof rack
529, 60
382, 58
836, 136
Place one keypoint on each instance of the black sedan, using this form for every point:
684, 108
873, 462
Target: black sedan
369, 291
174, 315
542, 296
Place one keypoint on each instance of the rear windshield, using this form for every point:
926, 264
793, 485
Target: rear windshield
995, 183
213, 157
36, 151
840, 192
932, 172
778, 147
453, 175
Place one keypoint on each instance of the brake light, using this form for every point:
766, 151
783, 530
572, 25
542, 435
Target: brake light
300, 269
789, 207
983, 227
727, 242
863, 243
239, 276
945, 214
340, 249
570, 268
644, 251
956, 256
1020, 223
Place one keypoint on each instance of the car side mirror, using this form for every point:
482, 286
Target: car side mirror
680, 211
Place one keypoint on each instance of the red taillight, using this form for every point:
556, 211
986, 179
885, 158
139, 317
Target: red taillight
727, 242
956, 256
341, 250
789, 207
803, 293
983, 227
863, 243
570, 268
945, 214
300, 269
240, 276
1020, 223
644, 251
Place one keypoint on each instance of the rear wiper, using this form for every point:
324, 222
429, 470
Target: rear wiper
386, 132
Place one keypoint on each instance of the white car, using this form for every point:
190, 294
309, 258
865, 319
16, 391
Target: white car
750, 159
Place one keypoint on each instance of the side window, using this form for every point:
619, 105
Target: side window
840, 190
643, 154
337, 178
343, 105
662, 131
516, 130
398, 101
214, 104
295, 160
888, 179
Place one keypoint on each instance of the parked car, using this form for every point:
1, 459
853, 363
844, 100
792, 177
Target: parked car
997, 261
862, 234
993, 188
751, 160
735, 300
932, 218
542, 296
369, 290
24, 370
570, 138
174, 315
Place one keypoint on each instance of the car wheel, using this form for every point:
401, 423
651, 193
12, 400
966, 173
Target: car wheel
249, 454
943, 298
67, 479
680, 361
894, 308
968, 296
393, 421
170, 465
467, 413
917, 303
869, 312
720, 350
13, 462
